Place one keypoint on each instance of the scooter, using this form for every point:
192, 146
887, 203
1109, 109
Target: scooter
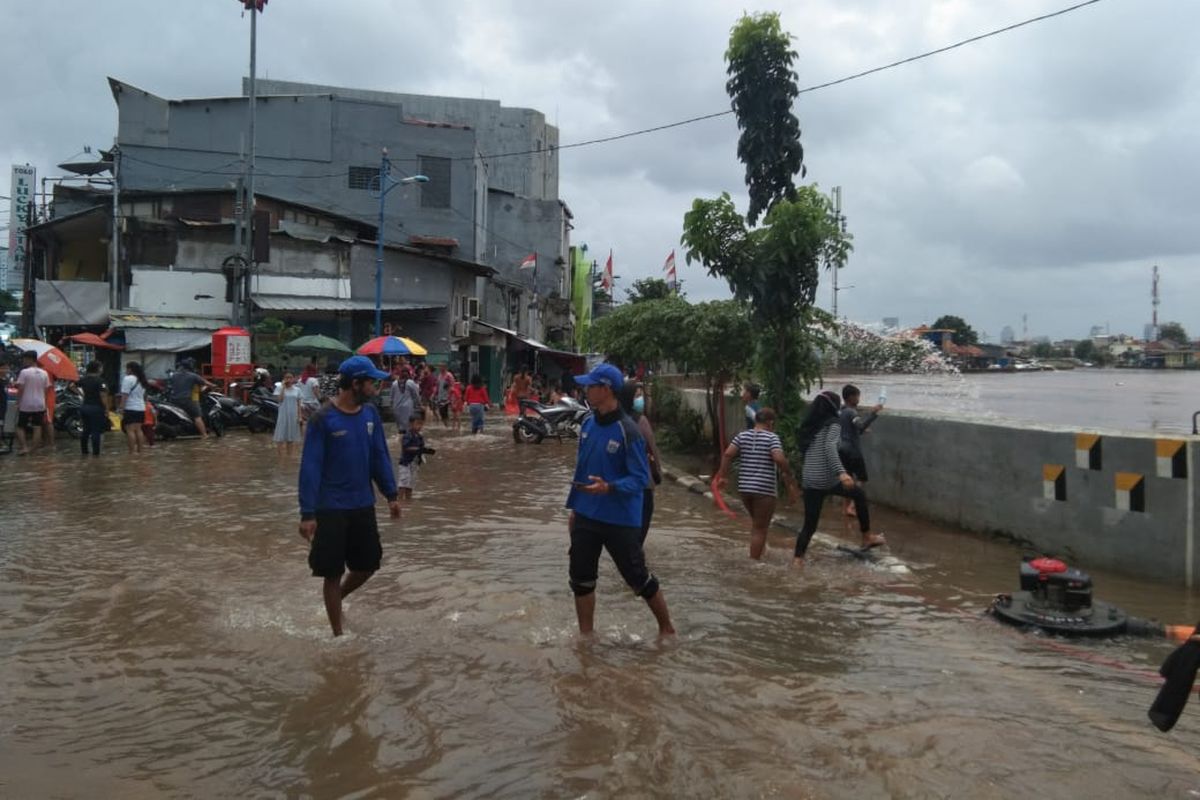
173, 422
233, 413
537, 421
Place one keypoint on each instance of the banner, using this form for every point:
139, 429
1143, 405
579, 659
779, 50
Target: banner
581, 298
24, 178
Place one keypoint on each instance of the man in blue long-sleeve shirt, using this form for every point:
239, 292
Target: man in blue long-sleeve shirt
345, 451
611, 472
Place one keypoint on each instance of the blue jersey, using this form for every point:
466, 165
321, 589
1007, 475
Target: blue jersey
343, 454
612, 447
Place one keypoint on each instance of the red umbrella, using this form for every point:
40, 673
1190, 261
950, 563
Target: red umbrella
50, 358
92, 340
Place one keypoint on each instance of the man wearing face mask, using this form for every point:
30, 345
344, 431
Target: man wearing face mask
633, 403
345, 451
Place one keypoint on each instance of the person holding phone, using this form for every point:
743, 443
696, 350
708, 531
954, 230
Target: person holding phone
612, 472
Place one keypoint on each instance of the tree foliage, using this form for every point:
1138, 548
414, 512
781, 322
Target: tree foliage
963, 334
648, 289
762, 88
775, 270
270, 335
1173, 332
706, 339
8, 302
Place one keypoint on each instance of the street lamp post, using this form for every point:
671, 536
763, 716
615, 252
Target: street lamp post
385, 167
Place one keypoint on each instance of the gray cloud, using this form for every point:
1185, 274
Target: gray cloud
1038, 172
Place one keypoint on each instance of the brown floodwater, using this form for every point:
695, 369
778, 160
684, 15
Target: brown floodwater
1161, 401
160, 636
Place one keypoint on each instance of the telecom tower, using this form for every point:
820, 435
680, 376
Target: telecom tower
1154, 304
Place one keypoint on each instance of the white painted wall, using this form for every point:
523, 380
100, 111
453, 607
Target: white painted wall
157, 291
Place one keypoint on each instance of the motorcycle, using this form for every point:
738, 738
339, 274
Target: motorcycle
233, 413
537, 421
171, 421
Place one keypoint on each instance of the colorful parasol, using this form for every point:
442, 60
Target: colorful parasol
392, 346
50, 358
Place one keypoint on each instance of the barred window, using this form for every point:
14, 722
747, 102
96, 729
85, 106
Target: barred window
363, 178
436, 193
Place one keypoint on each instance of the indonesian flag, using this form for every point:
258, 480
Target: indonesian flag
530, 261
669, 268
607, 280
257, 4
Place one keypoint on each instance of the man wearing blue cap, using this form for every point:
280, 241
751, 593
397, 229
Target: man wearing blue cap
611, 472
345, 450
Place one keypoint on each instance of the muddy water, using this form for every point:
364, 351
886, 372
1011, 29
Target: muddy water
160, 637
1114, 399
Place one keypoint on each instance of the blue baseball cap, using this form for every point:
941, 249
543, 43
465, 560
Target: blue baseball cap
602, 375
361, 367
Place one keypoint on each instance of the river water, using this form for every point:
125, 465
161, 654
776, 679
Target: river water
1161, 401
160, 637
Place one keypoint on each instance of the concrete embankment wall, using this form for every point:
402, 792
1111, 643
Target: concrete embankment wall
1116, 500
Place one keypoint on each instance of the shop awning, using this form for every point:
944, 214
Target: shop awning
166, 340
285, 302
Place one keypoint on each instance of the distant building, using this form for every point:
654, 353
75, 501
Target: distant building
1097, 330
1150, 332
891, 324
1006, 335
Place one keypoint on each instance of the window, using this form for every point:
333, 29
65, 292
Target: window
363, 178
436, 193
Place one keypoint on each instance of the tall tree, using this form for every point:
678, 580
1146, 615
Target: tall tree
7, 301
1173, 332
963, 334
775, 268
762, 86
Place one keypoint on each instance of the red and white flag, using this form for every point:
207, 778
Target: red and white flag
607, 280
669, 268
530, 261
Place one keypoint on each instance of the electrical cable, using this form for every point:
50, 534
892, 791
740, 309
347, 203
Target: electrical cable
667, 126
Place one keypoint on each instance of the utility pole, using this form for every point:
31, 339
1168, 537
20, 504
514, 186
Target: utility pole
242, 295
114, 270
837, 215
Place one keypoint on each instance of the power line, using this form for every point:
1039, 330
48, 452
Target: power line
690, 120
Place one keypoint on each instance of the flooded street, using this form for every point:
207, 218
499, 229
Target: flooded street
160, 636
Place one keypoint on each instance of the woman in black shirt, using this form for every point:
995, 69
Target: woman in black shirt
92, 412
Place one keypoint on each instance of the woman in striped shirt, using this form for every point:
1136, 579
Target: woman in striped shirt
824, 474
761, 459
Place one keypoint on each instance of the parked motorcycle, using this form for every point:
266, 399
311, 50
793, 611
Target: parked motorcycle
171, 421
233, 413
537, 421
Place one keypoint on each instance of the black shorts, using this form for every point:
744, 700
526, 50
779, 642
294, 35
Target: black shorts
855, 466
346, 539
31, 419
624, 546
188, 406
133, 417
444, 410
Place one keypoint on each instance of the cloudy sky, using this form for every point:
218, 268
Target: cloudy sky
1040, 173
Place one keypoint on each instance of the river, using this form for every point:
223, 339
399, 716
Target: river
160, 637
1161, 401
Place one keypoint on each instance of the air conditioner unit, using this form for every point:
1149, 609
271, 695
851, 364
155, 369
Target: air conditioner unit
461, 329
472, 308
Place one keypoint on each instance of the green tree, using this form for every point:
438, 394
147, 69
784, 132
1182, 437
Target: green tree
1173, 332
1043, 350
762, 86
719, 332
8, 302
773, 269
270, 335
649, 332
963, 334
1085, 350
649, 289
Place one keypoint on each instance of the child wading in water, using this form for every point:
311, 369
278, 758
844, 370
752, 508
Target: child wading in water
412, 455
761, 459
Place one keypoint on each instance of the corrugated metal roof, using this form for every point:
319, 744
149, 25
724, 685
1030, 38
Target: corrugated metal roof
135, 319
284, 302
